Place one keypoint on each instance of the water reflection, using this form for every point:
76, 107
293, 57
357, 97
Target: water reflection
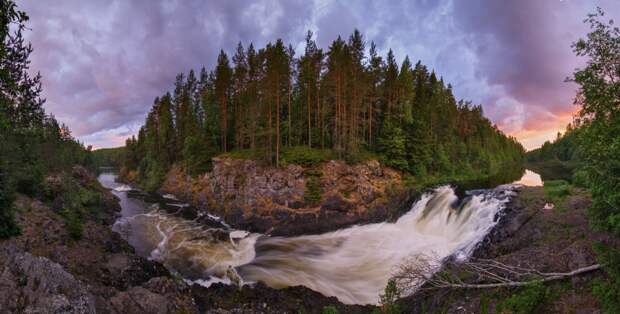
530, 178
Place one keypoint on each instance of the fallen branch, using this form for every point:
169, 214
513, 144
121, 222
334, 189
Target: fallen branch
427, 273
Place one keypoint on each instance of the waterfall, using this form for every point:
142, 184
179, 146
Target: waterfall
353, 264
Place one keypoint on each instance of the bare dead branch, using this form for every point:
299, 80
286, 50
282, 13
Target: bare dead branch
428, 273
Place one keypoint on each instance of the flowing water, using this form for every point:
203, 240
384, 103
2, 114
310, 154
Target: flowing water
353, 264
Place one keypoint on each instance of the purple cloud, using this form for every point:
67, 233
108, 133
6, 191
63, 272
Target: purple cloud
103, 62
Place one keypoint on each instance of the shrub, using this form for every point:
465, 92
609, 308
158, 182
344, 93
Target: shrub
528, 300
580, 178
73, 223
305, 156
312, 193
389, 298
608, 290
8, 225
329, 309
556, 190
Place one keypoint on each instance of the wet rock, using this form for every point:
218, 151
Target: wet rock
140, 300
280, 213
125, 270
259, 298
335, 203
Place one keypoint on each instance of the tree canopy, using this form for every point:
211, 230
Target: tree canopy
346, 99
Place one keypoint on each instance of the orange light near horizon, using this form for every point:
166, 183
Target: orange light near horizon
534, 138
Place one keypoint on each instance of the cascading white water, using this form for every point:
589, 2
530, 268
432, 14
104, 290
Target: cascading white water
355, 264
352, 264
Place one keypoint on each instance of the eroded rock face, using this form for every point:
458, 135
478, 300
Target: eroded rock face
266, 199
31, 284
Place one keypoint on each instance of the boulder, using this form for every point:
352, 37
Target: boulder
30, 284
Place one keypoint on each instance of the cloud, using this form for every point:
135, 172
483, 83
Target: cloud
103, 62
524, 47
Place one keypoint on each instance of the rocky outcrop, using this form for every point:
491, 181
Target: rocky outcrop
30, 284
45, 270
261, 198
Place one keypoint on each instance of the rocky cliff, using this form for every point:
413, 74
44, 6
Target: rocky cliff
294, 199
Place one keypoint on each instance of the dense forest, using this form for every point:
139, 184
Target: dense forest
266, 103
559, 159
32, 143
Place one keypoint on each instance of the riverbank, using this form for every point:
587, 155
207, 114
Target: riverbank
307, 199
532, 233
293, 200
47, 270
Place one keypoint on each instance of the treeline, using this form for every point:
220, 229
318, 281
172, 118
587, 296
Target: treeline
32, 143
266, 101
559, 159
108, 157
563, 148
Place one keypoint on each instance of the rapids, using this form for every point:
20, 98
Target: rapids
353, 264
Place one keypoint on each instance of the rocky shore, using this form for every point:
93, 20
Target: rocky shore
535, 234
45, 270
294, 200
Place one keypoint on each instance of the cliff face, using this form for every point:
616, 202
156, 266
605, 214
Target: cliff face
293, 199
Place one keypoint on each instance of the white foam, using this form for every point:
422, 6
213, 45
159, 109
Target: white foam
355, 264
123, 188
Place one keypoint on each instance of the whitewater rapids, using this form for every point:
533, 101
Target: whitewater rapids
352, 264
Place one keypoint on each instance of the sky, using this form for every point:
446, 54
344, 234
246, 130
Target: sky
103, 62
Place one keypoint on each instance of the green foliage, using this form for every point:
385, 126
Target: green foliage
599, 96
329, 309
8, 226
556, 191
305, 156
527, 300
389, 299
580, 178
608, 289
108, 157
198, 157
32, 143
249, 154
78, 202
73, 222
599, 119
312, 192
392, 145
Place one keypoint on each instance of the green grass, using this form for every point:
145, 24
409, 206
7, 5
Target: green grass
556, 191
527, 300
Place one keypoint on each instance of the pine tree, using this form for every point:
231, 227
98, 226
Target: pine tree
222, 83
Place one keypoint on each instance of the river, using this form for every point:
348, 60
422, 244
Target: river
353, 264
